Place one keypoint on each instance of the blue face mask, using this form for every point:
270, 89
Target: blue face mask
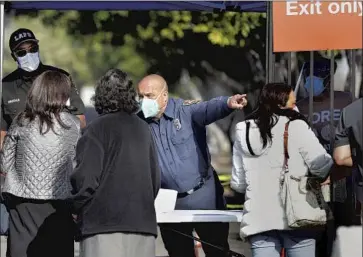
318, 85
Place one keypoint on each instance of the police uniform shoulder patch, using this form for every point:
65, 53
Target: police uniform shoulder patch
190, 102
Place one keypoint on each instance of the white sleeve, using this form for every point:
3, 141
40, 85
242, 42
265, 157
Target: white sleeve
314, 154
238, 179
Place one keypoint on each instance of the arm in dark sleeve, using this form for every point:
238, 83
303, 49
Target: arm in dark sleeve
76, 101
207, 112
342, 153
77, 105
341, 133
155, 169
86, 175
4, 124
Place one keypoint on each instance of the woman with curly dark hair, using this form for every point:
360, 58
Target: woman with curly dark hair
117, 175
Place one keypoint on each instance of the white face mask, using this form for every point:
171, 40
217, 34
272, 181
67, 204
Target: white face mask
30, 62
150, 107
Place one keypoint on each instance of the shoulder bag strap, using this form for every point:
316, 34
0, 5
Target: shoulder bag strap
286, 141
285, 168
248, 138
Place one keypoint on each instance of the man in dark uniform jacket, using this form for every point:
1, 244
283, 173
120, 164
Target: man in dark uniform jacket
348, 146
179, 131
25, 51
341, 200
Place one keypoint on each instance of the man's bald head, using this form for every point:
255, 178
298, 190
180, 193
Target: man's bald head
154, 83
154, 87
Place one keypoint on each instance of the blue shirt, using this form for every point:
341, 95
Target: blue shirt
181, 143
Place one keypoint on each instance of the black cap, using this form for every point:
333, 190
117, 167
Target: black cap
20, 36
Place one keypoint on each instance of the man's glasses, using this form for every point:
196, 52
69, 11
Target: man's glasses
23, 52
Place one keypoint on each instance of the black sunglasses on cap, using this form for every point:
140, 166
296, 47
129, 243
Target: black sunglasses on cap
23, 52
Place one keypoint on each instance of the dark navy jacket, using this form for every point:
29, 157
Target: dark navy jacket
180, 138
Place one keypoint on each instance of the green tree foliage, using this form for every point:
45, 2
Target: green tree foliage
86, 57
224, 29
176, 39
160, 42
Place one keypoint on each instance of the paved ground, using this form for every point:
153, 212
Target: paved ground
236, 245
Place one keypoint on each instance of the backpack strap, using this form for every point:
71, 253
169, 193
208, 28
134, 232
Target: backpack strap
248, 138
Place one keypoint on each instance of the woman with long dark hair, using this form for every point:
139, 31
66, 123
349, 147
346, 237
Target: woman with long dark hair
258, 160
37, 158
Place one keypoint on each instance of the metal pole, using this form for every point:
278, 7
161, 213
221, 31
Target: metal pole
271, 53
352, 74
289, 57
2, 27
270, 60
332, 129
311, 92
268, 39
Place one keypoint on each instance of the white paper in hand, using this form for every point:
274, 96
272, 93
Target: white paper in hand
165, 200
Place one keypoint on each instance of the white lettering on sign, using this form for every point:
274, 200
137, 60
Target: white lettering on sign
294, 8
324, 116
22, 35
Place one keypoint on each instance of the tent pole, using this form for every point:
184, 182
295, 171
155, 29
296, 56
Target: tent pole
267, 45
311, 91
289, 68
271, 55
332, 73
352, 74
270, 60
2, 27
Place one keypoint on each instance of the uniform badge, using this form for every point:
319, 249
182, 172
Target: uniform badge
177, 124
190, 102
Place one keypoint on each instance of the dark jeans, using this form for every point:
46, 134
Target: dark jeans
182, 246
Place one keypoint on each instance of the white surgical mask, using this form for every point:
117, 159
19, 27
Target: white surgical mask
150, 107
30, 62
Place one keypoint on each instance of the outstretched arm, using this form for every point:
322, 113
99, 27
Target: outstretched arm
205, 113
342, 152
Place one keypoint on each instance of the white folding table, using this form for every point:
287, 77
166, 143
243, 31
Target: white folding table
188, 216
182, 216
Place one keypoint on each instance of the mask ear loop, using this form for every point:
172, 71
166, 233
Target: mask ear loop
324, 83
162, 91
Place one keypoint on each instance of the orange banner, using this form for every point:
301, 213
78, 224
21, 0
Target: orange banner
317, 25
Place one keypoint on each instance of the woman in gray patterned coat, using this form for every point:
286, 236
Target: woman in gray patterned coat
37, 159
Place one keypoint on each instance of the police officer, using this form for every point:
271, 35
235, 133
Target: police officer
348, 147
179, 131
342, 205
25, 51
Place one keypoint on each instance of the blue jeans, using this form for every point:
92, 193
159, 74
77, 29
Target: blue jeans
270, 244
